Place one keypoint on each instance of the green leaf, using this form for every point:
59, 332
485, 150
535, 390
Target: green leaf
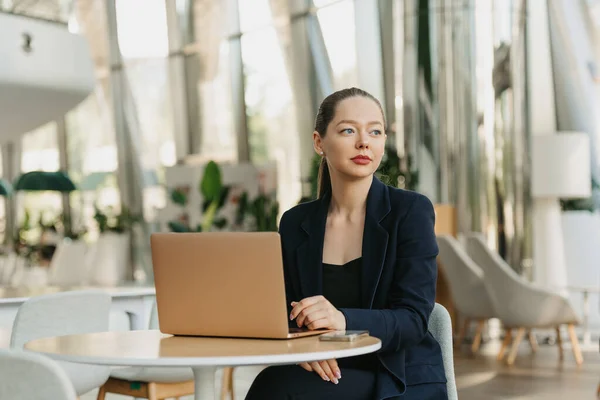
220, 223
211, 184
178, 197
178, 227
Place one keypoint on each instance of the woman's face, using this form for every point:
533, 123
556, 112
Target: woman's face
355, 139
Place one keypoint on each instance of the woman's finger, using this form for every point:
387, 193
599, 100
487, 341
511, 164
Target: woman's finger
330, 374
297, 307
311, 314
306, 366
320, 324
317, 368
333, 364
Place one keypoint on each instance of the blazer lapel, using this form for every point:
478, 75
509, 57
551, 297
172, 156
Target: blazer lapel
309, 254
375, 240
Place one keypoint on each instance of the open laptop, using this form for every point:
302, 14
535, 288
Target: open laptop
226, 284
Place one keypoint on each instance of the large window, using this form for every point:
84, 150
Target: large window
143, 40
39, 153
92, 156
219, 141
272, 125
336, 19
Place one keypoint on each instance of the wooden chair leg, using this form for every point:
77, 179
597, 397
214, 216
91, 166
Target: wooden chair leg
101, 393
227, 384
152, 395
559, 343
575, 344
532, 340
505, 343
478, 334
464, 329
515, 347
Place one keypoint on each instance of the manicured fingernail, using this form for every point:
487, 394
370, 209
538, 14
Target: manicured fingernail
326, 378
291, 318
338, 375
335, 381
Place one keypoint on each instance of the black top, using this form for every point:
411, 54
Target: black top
341, 286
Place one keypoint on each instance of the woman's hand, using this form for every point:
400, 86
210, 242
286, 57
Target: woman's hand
328, 369
317, 313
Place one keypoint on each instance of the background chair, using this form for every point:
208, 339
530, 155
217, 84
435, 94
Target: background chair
440, 326
157, 383
31, 376
64, 314
467, 287
520, 304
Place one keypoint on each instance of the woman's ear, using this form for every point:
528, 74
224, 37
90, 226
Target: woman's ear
318, 143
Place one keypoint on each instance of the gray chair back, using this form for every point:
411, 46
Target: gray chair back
509, 291
440, 326
30, 376
61, 314
466, 279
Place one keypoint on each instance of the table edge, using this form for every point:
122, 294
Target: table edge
276, 359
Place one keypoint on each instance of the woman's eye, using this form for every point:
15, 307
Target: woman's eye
376, 132
348, 131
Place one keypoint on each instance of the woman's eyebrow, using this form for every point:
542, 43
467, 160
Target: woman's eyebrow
350, 121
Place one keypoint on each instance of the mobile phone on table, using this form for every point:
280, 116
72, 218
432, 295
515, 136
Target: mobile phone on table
343, 336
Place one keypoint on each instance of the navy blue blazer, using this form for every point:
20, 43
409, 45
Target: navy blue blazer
399, 274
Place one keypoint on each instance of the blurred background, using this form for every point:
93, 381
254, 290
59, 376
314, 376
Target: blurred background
119, 118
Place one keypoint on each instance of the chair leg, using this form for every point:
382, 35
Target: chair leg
515, 347
532, 340
152, 395
575, 344
478, 334
227, 384
559, 343
505, 343
462, 332
101, 393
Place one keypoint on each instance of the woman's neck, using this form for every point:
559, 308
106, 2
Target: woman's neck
349, 198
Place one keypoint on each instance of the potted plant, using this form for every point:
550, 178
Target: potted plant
214, 195
259, 214
581, 234
111, 253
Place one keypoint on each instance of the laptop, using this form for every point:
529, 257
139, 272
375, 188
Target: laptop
223, 284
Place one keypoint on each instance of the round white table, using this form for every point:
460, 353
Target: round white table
202, 354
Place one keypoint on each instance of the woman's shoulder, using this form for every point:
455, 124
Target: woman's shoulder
408, 199
295, 215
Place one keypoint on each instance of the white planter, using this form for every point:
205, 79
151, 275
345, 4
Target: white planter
581, 232
111, 259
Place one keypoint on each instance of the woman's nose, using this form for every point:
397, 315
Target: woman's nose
363, 141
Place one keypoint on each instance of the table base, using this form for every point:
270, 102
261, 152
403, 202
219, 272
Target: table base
204, 381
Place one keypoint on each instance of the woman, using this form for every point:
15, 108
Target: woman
362, 256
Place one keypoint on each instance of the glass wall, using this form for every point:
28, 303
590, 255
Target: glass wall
270, 108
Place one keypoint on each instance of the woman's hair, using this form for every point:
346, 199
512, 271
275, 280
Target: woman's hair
324, 118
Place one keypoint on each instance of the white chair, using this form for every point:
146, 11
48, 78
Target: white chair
153, 383
467, 287
157, 382
61, 314
30, 376
69, 265
520, 304
440, 326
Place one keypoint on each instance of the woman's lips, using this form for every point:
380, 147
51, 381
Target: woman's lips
361, 160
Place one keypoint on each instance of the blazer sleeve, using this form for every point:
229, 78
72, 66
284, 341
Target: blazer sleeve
289, 291
412, 292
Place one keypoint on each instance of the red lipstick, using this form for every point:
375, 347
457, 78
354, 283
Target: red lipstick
361, 160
